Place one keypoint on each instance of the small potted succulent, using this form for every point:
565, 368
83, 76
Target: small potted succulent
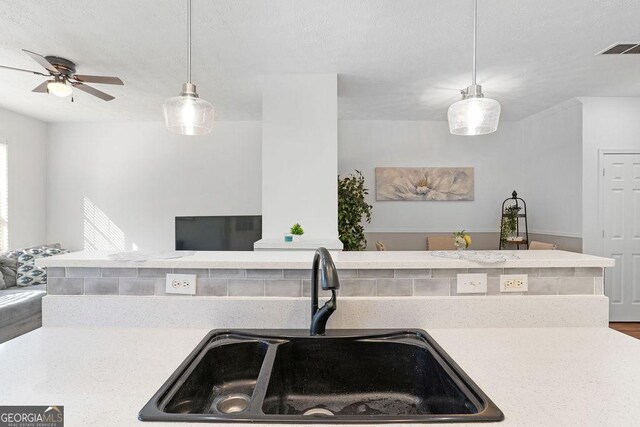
462, 240
296, 232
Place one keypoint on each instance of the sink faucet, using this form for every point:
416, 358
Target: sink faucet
324, 270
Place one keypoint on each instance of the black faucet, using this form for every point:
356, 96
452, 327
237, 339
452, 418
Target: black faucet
324, 270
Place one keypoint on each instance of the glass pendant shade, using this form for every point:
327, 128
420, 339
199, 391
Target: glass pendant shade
474, 116
59, 88
187, 114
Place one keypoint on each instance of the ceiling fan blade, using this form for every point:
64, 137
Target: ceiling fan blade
93, 91
98, 79
42, 61
22, 69
42, 88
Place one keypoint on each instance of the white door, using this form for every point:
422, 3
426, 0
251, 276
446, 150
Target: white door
621, 234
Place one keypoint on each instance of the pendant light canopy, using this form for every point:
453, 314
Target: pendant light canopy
474, 114
187, 114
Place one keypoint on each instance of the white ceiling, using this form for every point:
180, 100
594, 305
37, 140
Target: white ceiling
397, 59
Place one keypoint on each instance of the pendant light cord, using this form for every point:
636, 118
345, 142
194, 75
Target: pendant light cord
475, 32
189, 41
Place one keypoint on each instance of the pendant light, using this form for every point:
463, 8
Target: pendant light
474, 114
187, 114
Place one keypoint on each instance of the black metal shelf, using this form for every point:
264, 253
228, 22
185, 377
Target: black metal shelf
514, 200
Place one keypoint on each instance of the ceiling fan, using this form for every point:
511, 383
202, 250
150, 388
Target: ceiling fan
64, 77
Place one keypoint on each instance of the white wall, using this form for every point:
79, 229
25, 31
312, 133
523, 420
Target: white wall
496, 158
552, 166
120, 185
300, 155
608, 123
26, 140
136, 177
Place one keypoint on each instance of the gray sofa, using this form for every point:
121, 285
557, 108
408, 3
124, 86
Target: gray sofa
22, 286
20, 310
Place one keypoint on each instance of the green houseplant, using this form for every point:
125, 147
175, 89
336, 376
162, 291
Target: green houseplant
352, 211
509, 223
296, 231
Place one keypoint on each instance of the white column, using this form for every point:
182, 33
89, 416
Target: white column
300, 160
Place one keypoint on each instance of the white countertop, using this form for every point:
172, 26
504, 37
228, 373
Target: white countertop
302, 260
537, 377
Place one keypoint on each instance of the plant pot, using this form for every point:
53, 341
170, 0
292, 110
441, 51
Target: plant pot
288, 238
296, 238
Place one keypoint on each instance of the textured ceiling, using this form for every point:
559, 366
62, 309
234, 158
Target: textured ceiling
397, 59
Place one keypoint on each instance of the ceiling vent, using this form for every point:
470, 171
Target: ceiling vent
621, 49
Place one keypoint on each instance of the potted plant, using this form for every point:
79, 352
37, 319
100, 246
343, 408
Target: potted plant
462, 240
509, 223
352, 211
296, 231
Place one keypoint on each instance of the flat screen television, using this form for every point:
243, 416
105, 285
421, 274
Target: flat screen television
217, 233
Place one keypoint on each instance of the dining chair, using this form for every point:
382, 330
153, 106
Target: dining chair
541, 246
441, 243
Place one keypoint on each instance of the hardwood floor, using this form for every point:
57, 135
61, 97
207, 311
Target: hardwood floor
629, 328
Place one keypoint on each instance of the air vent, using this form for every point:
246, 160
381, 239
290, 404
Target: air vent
621, 49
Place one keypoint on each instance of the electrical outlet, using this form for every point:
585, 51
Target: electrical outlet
514, 283
181, 284
475, 283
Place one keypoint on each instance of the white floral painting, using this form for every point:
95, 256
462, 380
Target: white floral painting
424, 184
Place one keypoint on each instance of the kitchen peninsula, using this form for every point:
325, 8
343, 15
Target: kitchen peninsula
378, 289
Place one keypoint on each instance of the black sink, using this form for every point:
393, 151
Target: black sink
347, 376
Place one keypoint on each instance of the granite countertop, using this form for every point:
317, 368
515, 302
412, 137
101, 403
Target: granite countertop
538, 377
346, 260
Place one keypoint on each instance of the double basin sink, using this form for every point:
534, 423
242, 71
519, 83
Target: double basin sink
346, 376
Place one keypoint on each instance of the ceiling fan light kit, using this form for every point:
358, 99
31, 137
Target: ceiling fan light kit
474, 114
59, 88
187, 114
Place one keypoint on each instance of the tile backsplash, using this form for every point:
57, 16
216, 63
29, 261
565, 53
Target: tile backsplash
297, 283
